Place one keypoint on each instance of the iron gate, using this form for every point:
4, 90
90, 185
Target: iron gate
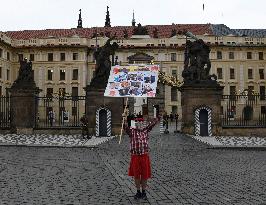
243, 110
5, 114
59, 112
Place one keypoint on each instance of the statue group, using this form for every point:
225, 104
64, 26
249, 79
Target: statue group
103, 64
197, 64
25, 76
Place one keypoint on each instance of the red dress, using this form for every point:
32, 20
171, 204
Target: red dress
140, 165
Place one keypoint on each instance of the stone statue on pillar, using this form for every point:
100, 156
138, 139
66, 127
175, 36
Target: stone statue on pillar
25, 77
103, 64
23, 100
197, 63
200, 93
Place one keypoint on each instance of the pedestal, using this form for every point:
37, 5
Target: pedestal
23, 110
95, 101
194, 98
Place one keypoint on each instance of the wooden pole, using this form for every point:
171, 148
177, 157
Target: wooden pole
123, 121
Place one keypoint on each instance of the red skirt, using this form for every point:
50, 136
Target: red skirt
140, 166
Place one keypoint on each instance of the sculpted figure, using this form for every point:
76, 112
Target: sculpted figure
25, 76
103, 64
197, 64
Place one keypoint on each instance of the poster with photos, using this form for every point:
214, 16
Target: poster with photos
132, 81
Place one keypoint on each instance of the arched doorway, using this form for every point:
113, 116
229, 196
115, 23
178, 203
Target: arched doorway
203, 125
103, 122
203, 120
248, 113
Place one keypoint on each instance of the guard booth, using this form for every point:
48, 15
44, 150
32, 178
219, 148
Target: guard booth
103, 122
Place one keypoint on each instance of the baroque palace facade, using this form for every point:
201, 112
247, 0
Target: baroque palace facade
63, 58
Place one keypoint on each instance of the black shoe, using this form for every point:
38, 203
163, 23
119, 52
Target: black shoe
144, 196
138, 195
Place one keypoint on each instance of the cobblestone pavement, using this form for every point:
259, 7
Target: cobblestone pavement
233, 141
185, 171
52, 140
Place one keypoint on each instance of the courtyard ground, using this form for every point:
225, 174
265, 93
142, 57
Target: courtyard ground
185, 171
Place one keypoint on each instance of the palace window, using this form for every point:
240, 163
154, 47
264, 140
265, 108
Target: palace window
174, 73
231, 55
232, 90
219, 55
31, 57
62, 74
75, 74
50, 56
0, 72
7, 74
250, 74
75, 91
261, 73
250, 89
174, 109
20, 57
1, 53
219, 73
232, 73
249, 55
263, 110
75, 56
1, 91
8, 56
62, 91
173, 56
50, 75
49, 92
173, 94
262, 92
260, 55
62, 56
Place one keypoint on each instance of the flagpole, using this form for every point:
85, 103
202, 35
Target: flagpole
123, 121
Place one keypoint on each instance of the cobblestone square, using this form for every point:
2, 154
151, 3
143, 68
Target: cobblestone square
184, 170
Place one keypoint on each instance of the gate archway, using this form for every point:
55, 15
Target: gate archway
103, 122
203, 120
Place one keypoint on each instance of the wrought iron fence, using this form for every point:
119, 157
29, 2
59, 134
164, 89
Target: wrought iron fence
59, 112
243, 110
5, 112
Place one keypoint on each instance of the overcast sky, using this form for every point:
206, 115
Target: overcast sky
48, 14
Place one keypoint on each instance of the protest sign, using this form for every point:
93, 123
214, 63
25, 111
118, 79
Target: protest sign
132, 81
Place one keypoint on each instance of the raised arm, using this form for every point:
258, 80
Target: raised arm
151, 124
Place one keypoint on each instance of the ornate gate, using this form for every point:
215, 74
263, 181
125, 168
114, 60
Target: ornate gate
59, 112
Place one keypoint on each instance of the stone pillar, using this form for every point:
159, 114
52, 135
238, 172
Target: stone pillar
195, 95
23, 100
95, 100
23, 110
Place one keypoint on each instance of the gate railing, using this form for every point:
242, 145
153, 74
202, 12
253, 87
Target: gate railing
243, 111
5, 113
59, 112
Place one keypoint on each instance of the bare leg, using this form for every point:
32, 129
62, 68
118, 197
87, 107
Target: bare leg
137, 183
143, 184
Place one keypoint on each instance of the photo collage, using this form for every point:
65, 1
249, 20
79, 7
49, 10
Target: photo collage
132, 81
